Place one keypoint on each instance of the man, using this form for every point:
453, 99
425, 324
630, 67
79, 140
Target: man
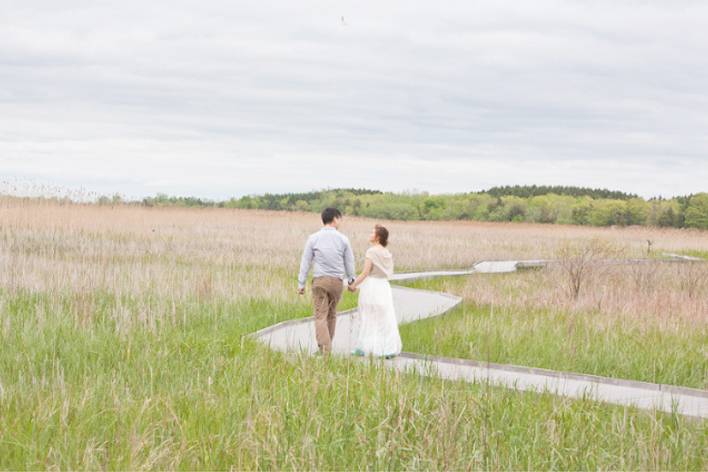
333, 260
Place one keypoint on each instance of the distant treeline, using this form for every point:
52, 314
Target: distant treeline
526, 191
536, 204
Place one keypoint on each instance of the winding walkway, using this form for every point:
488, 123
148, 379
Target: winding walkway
414, 304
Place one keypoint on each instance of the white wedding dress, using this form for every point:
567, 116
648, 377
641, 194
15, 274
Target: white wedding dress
378, 326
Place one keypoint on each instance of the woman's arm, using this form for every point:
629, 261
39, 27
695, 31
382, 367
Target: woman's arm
368, 265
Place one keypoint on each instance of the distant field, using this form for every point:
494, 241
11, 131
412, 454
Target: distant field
123, 346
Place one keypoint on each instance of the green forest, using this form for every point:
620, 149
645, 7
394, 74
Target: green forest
536, 204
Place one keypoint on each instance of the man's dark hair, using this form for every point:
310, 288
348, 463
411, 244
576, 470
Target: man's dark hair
329, 214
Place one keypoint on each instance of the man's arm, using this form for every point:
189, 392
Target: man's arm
349, 261
305, 262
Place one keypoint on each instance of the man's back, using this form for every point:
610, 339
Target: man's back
330, 254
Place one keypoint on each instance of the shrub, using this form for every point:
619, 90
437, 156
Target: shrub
697, 211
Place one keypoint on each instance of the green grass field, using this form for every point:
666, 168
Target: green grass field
695, 253
196, 393
124, 344
560, 340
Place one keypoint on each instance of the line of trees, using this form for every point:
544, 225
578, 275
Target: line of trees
537, 204
579, 206
526, 191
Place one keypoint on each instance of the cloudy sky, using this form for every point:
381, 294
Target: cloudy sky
220, 98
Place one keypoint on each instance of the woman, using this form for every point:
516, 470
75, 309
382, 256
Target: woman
378, 333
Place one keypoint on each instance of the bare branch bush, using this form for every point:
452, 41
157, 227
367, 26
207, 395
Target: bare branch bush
582, 260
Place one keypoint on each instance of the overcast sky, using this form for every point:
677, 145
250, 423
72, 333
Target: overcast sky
221, 98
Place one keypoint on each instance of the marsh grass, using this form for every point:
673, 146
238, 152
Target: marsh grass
200, 395
702, 254
643, 322
671, 296
124, 345
562, 341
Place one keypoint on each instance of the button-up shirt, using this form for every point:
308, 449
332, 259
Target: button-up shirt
331, 253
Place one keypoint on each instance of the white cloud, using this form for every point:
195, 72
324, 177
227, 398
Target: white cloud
226, 98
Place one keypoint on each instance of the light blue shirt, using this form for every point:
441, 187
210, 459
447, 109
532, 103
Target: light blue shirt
331, 253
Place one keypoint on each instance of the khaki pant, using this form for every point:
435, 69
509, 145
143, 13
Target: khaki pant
326, 293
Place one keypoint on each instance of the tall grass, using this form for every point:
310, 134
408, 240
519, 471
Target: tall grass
562, 341
198, 395
123, 335
636, 321
670, 296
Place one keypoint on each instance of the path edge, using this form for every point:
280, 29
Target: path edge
689, 391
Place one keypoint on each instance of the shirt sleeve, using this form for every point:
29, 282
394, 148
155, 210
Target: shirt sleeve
349, 260
305, 263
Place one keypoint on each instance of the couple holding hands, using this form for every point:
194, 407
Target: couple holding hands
329, 253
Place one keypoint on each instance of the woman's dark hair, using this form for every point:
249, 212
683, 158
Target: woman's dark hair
382, 235
329, 214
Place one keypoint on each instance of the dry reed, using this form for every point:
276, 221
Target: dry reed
175, 255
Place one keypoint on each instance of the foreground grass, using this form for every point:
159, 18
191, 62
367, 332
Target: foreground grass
196, 394
123, 345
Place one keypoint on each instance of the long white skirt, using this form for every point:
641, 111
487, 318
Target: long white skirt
378, 327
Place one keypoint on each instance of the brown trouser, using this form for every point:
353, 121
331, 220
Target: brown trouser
326, 293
